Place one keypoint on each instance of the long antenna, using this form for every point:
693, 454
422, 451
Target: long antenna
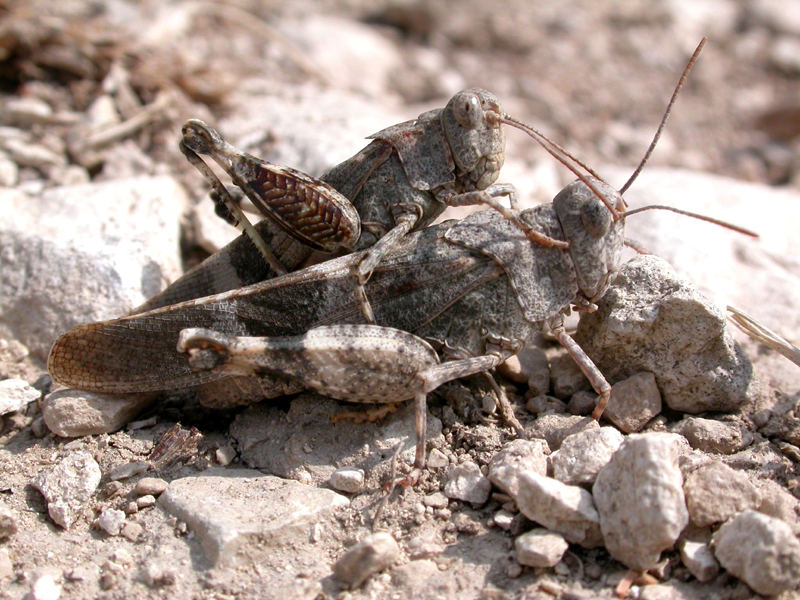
656, 137
687, 213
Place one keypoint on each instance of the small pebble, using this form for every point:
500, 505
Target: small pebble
710, 435
542, 405
503, 519
634, 401
466, 482
540, 548
224, 455
45, 587
347, 479
761, 551
8, 522
16, 394
111, 521
152, 486
515, 457
372, 554
128, 470
6, 566
698, 558
582, 403
145, 501
435, 500
132, 531
582, 455
715, 492
554, 428
437, 459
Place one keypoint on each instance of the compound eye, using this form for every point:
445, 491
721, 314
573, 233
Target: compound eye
596, 218
467, 110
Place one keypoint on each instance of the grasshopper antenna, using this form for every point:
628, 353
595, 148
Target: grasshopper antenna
687, 213
674, 97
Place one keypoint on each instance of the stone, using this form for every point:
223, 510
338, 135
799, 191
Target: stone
778, 502
227, 509
652, 320
53, 279
15, 395
372, 554
111, 521
540, 548
536, 369
582, 403
128, 470
698, 558
554, 428
152, 486
347, 479
8, 522
73, 413
715, 492
145, 501
132, 531
68, 485
45, 587
760, 550
634, 401
583, 455
6, 566
541, 405
566, 509
711, 435
466, 482
304, 444
566, 377
515, 457
639, 496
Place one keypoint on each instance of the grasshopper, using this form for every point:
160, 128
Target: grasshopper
402, 181
453, 299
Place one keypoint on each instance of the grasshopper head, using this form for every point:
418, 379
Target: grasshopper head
595, 237
473, 128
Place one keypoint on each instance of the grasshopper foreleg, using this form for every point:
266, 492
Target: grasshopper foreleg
587, 367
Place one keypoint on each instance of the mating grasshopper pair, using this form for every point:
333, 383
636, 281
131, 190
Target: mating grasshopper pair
443, 302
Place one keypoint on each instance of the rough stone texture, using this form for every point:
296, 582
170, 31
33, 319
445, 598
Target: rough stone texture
698, 558
8, 522
651, 320
711, 435
540, 548
536, 368
68, 485
111, 521
760, 550
53, 279
152, 486
715, 492
128, 470
567, 509
541, 405
72, 413
372, 554
227, 508
515, 457
582, 455
566, 377
347, 479
634, 401
778, 502
555, 428
640, 499
304, 444
16, 394
582, 403
466, 482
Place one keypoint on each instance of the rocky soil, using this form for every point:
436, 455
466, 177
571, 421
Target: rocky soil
686, 489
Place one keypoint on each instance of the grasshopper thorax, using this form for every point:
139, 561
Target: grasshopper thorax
473, 129
595, 237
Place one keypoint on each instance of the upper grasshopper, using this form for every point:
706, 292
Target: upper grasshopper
401, 181
452, 300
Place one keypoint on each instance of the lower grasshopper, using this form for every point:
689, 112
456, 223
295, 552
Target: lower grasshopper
453, 300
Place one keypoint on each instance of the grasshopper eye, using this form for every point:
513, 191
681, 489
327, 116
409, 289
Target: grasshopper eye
596, 218
467, 110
